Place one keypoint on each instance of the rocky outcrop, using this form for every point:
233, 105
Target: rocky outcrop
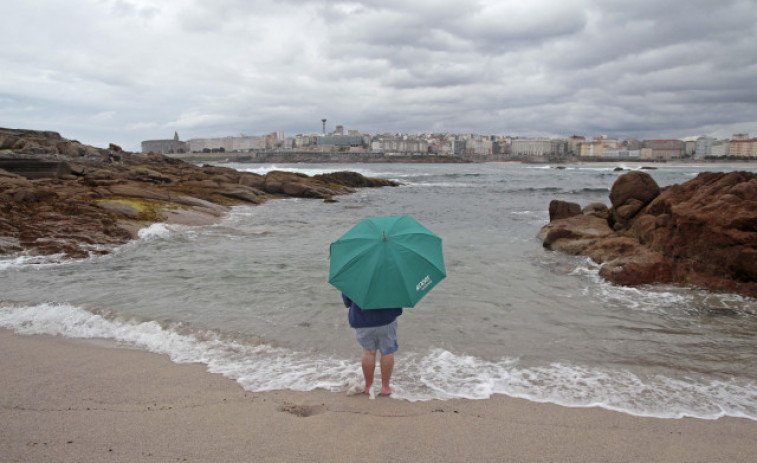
61, 197
563, 209
353, 180
629, 194
44, 144
700, 233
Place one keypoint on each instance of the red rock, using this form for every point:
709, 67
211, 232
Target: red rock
596, 209
579, 227
633, 185
702, 232
563, 209
612, 248
353, 180
630, 193
641, 267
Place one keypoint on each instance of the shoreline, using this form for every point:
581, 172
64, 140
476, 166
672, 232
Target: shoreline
241, 158
638, 163
84, 400
650, 164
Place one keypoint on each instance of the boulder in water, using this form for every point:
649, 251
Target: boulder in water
702, 232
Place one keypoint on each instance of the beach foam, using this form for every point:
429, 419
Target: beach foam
156, 230
436, 374
31, 261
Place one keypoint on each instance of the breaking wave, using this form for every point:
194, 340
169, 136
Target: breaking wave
436, 374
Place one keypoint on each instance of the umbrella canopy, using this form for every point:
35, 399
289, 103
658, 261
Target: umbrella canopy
386, 262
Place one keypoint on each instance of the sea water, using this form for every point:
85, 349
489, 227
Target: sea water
250, 298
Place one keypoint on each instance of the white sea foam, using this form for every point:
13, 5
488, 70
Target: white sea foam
440, 185
437, 374
307, 169
443, 375
33, 261
656, 298
156, 230
264, 169
367, 170
255, 367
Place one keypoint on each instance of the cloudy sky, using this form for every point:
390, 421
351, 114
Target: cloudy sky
124, 71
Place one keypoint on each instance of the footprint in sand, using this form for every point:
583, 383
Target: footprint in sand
302, 411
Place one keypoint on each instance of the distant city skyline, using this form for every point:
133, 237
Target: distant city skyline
474, 145
123, 71
341, 129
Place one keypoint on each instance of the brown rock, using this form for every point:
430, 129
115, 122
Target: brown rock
354, 180
641, 267
613, 247
630, 193
702, 232
633, 185
33, 195
628, 210
563, 209
137, 190
147, 175
275, 180
300, 185
579, 227
119, 209
242, 194
596, 209
11, 180
78, 199
704, 222
251, 180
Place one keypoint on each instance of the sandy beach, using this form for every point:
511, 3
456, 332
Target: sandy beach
66, 400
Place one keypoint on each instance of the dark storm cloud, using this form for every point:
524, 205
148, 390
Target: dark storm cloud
128, 70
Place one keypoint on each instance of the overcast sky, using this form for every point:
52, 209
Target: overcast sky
124, 71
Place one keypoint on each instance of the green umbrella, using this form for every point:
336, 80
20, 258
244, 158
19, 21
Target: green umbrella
386, 262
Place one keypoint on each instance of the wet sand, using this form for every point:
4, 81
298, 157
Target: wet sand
64, 400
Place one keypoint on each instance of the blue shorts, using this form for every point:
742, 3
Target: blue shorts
383, 338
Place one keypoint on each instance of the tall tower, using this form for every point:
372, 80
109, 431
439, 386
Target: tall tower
324, 125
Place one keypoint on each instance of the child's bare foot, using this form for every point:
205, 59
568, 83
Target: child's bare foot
386, 391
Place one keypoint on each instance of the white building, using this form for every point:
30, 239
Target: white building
720, 148
538, 147
399, 145
703, 147
229, 144
479, 146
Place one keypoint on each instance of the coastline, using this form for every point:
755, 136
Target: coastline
346, 158
651, 164
72, 400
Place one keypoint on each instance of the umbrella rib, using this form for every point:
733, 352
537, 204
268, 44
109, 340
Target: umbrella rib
425, 259
404, 278
354, 260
